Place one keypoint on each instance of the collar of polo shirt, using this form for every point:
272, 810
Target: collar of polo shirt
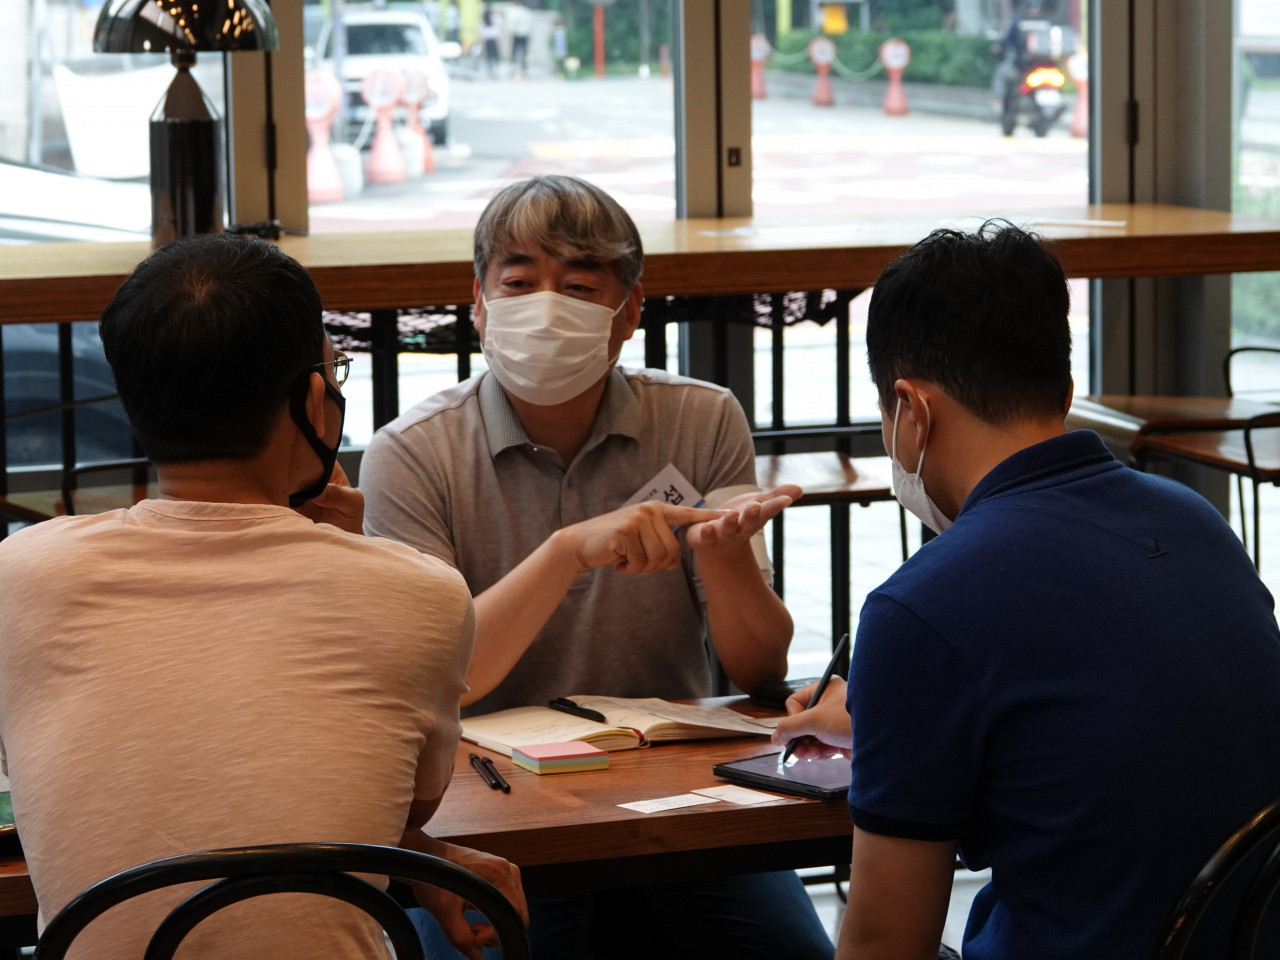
503, 428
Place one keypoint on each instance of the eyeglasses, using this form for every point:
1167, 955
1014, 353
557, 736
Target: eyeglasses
341, 364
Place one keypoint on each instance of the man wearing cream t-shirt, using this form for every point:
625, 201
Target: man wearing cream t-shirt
214, 668
525, 477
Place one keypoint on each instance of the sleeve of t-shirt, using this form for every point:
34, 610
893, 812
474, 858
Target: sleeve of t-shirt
733, 472
733, 458
918, 727
435, 764
405, 497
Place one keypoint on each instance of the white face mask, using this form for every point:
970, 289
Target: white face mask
908, 487
546, 348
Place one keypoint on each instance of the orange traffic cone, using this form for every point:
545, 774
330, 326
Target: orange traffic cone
381, 91
822, 53
415, 93
323, 100
760, 51
894, 56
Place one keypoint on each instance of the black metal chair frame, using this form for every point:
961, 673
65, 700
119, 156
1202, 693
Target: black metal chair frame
1261, 829
1226, 376
326, 869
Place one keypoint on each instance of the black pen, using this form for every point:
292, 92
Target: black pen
565, 705
817, 694
499, 781
485, 775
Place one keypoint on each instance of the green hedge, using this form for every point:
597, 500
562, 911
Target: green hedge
937, 56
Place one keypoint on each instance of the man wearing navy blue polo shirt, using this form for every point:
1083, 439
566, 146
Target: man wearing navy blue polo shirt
1077, 684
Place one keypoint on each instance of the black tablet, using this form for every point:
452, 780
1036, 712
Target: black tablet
826, 779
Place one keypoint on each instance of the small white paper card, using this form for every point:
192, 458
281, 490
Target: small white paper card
738, 795
669, 486
666, 803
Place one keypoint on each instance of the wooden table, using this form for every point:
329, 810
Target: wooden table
1224, 450
1130, 419
827, 477
566, 831
73, 281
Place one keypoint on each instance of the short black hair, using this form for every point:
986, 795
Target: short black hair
206, 338
983, 315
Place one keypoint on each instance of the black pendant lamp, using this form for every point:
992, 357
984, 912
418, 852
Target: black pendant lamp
186, 132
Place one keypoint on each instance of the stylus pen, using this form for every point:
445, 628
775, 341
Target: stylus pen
817, 694
483, 770
565, 705
499, 780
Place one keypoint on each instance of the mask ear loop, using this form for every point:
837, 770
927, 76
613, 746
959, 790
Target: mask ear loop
893, 453
928, 425
928, 429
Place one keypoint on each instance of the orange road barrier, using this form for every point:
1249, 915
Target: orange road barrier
894, 56
323, 100
381, 91
760, 51
822, 53
415, 93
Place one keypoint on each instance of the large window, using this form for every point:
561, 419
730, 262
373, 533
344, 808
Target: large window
493, 93
1255, 297
984, 122
981, 122
74, 148
512, 89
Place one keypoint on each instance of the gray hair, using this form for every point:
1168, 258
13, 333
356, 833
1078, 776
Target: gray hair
567, 217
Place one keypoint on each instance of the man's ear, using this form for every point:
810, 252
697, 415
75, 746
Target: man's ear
315, 403
634, 310
478, 313
916, 417
1071, 394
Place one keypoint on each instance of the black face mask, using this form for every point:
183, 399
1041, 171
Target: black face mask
328, 457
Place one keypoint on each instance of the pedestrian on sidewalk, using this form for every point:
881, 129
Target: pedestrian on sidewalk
490, 31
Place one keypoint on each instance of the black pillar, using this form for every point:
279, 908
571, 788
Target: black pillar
67, 396
462, 341
384, 339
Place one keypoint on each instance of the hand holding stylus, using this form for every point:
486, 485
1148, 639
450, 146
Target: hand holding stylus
821, 731
817, 711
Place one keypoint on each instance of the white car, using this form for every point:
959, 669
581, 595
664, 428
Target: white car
395, 40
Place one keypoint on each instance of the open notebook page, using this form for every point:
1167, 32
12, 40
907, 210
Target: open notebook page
646, 713
524, 725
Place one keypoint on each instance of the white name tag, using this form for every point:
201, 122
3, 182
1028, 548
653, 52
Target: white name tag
669, 486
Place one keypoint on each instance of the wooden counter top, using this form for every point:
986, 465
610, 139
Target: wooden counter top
74, 281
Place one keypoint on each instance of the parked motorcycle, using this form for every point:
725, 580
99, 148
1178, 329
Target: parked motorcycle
1030, 79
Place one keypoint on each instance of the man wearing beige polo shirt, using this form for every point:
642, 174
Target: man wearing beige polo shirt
569, 492
231, 663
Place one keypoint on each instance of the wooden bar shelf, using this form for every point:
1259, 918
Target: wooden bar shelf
58, 282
